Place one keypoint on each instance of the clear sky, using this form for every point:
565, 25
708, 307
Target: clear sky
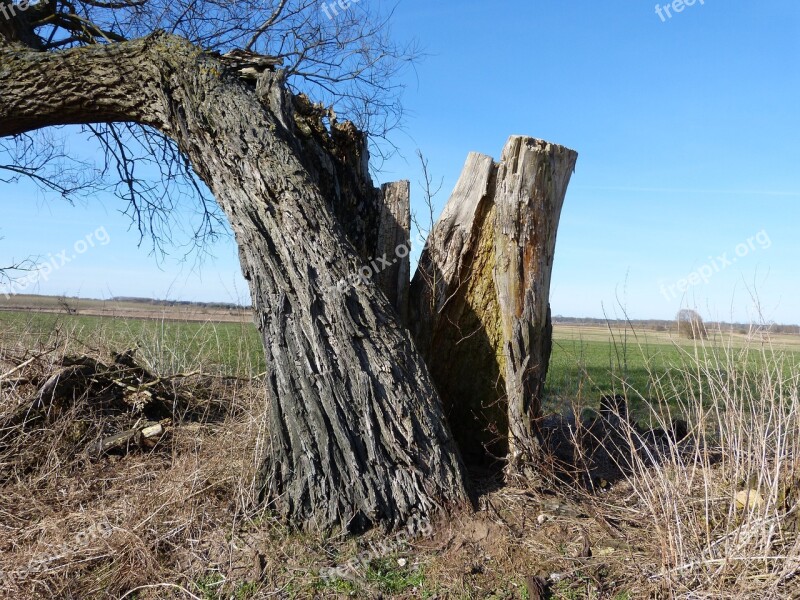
687, 188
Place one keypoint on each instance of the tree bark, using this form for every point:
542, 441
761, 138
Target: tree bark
376, 221
479, 299
357, 431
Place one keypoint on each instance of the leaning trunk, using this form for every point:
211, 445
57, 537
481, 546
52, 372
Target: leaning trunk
357, 431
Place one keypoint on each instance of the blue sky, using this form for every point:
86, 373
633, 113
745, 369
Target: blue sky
687, 131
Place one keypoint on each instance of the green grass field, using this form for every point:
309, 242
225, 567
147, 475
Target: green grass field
659, 367
166, 346
587, 361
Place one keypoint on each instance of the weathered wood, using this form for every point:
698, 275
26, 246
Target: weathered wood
454, 316
392, 264
152, 431
125, 439
532, 182
357, 433
479, 298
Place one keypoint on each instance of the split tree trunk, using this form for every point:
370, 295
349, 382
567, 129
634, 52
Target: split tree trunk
376, 221
357, 431
480, 297
357, 428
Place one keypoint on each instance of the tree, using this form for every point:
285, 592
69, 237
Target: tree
358, 433
691, 325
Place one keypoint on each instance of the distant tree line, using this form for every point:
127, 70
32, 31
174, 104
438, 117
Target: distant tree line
672, 325
153, 302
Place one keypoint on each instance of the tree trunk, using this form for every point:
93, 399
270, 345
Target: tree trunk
376, 221
532, 183
357, 430
479, 299
454, 313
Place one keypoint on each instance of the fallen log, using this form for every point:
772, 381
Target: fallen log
125, 439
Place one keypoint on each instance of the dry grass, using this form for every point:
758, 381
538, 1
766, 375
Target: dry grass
77, 526
724, 503
177, 520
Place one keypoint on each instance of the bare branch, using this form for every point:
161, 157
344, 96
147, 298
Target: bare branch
12, 273
348, 63
153, 202
115, 5
269, 23
42, 157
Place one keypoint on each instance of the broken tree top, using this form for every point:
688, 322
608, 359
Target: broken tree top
250, 64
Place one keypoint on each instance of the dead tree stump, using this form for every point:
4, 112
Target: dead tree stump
479, 306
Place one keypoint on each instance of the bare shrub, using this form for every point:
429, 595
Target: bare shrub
691, 325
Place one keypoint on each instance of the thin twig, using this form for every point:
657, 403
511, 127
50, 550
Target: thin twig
156, 585
24, 364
